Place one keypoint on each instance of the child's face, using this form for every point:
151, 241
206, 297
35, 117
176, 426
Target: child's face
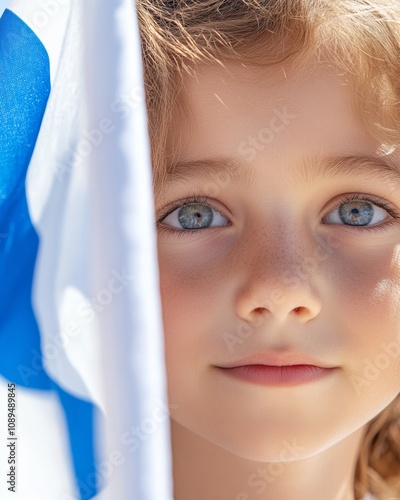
283, 262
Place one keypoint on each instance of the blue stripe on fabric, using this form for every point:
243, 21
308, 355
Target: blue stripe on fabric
80, 421
24, 91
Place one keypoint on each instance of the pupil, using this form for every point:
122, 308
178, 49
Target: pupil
358, 213
194, 217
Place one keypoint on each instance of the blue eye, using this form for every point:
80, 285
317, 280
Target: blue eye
194, 215
356, 212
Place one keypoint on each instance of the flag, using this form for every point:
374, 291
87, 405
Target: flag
82, 375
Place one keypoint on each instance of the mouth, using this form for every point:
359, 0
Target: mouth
278, 368
278, 376
278, 358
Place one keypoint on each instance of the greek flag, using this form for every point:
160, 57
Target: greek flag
83, 407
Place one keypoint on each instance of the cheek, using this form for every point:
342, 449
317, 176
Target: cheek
366, 291
367, 287
192, 311
192, 277
185, 292
192, 317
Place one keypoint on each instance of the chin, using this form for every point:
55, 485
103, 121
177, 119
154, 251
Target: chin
286, 450
274, 443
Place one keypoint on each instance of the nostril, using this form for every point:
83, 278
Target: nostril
298, 309
259, 309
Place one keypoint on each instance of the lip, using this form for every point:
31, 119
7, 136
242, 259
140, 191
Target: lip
277, 359
278, 376
278, 368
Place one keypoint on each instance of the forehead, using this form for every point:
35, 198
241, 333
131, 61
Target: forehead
224, 106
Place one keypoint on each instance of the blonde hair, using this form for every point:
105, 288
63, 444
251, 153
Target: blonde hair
361, 37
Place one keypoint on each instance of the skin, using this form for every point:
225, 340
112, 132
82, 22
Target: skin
270, 275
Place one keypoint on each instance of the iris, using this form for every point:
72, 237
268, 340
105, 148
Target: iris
357, 213
195, 216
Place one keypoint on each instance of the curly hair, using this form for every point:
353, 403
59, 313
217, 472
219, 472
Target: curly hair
362, 37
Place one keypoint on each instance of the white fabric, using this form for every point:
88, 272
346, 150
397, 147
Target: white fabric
123, 212
3, 5
41, 445
96, 278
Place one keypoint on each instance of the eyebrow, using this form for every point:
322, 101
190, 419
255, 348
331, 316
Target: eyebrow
209, 169
221, 169
373, 168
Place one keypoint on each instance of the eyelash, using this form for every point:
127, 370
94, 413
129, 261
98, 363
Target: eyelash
375, 201
201, 200
345, 199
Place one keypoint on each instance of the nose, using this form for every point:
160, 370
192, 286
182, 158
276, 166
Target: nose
281, 289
